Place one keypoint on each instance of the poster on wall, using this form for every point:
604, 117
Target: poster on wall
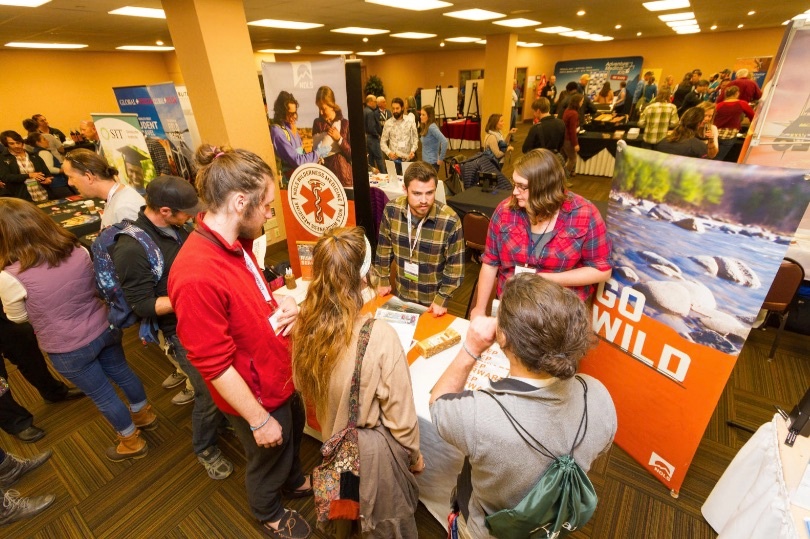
675, 314
125, 148
613, 70
309, 127
163, 124
757, 67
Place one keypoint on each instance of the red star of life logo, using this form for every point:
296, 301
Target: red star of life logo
317, 201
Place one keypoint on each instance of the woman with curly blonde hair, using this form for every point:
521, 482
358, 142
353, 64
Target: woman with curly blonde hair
325, 341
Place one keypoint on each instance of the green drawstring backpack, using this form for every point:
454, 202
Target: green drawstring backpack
562, 501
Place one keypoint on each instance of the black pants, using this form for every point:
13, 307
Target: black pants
19, 345
269, 469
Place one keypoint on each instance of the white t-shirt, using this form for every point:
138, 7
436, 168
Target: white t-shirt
125, 203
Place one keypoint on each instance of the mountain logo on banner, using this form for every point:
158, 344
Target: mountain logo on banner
661, 466
317, 199
302, 75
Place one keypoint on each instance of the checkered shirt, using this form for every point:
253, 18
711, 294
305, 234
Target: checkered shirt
657, 119
439, 253
400, 137
580, 239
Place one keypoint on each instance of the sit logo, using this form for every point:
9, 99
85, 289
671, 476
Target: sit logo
661, 466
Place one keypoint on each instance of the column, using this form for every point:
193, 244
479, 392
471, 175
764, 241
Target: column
499, 72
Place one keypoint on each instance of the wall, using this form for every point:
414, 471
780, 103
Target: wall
67, 86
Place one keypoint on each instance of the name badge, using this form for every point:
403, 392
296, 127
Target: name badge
411, 271
524, 269
273, 319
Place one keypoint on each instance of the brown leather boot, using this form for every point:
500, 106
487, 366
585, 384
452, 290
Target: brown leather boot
129, 447
145, 419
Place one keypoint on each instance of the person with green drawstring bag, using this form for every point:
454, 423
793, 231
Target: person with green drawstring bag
528, 439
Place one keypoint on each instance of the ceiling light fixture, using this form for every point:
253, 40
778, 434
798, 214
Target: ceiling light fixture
151, 48
714, 27
413, 35
597, 37
739, 26
158, 42
413, 5
686, 15
517, 23
618, 26
675, 24
688, 30
298, 47
474, 14
665, 5
638, 34
279, 51
528, 45
360, 30
482, 41
553, 29
581, 12
462, 39
26, 45
337, 53
365, 40
752, 12
23, 3
441, 44
577, 33
131, 11
371, 53
285, 25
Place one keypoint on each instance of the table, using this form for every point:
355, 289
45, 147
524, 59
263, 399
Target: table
462, 134
752, 498
391, 189
473, 199
72, 214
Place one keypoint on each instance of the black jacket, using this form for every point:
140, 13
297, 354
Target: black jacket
548, 133
135, 272
14, 180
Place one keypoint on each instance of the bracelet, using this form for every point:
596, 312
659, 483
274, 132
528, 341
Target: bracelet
254, 429
464, 345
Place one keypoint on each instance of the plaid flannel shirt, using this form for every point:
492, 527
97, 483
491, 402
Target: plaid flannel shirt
580, 239
439, 253
657, 119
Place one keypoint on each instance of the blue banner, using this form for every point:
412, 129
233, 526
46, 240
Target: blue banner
600, 70
136, 100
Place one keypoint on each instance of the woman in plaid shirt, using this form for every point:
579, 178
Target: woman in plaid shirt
543, 228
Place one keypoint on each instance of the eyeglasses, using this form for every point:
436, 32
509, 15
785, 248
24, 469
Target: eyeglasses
521, 187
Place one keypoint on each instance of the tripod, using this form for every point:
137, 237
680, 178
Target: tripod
438, 104
473, 95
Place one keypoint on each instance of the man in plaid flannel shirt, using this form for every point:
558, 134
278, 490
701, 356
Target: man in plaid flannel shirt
424, 238
657, 119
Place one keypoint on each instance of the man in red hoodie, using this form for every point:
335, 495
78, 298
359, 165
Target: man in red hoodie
236, 333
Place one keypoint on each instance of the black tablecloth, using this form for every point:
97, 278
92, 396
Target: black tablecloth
591, 143
474, 199
72, 214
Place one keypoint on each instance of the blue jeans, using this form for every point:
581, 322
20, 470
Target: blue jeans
206, 417
93, 366
375, 156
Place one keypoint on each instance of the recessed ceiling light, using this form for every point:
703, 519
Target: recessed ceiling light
553, 29
152, 48
462, 39
279, 51
528, 45
365, 40
752, 12
474, 14
581, 12
686, 15
139, 12
441, 44
689, 30
413, 35
675, 24
638, 34
482, 41
597, 37
371, 53
24, 45
285, 25
664, 5
413, 5
517, 23
298, 47
577, 33
23, 3
337, 53
158, 42
360, 30
618, 26
739, 26
714, 27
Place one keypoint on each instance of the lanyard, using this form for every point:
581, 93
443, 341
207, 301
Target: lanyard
533, 245
114, 188
258, 278
413, 243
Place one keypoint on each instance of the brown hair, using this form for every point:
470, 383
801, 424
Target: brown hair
33, 138
546, 178
687, 127
544, 325
223, 171
575, 101
707, 106
662, 97
327, 317
86, 161
605, 91
732, 91
30, 237
431, 119
542, 104
421, 172
326, 96
492, 122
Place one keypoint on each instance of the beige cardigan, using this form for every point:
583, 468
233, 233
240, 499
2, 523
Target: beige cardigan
386, 395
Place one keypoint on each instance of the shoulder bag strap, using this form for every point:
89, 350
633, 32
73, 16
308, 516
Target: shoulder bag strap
354, 395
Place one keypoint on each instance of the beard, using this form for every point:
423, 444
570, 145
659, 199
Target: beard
397, 116
249, 228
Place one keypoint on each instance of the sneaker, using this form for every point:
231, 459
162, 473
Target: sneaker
15, 507
14, 467
291, 526
186, 396
217, 466
173, 380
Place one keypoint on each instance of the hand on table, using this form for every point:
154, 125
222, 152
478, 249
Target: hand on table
436, 310
288, 314
481, 334
270, 435
383, 290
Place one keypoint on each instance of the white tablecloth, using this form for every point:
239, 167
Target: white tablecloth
392, 189
752, 498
